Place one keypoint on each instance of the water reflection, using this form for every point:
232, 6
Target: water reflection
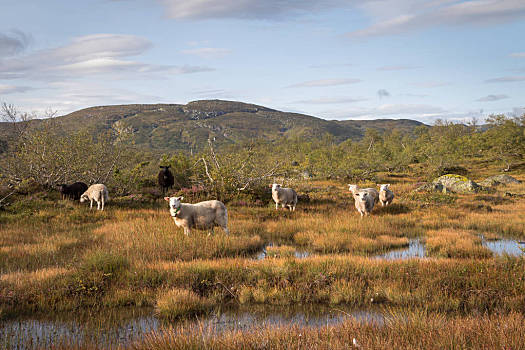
415, 249
115, 328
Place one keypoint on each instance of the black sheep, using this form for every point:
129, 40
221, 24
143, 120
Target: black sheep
166, 179
73, 191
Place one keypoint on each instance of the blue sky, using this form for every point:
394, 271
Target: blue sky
335, 59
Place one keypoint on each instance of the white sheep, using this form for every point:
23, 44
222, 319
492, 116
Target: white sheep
287, 197
97, 193
373, 192
364, 202
386, 196
203, 215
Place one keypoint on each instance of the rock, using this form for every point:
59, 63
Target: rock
457, 183
430, 187
306, 175
499, 180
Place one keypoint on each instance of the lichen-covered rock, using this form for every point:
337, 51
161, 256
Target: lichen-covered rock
457, 183
499, 180
430, 187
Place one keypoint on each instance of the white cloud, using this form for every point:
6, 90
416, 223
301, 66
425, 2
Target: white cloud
332, 100
86, 55
413, 15
517, 54
11, 89
508, 79
66, 97
490, 98
325, 82
207, 52
245, 9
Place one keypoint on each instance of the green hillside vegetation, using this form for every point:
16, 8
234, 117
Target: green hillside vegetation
169, 127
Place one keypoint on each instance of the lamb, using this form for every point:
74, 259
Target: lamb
165, 178
364, 202
373, 192
386, 196
203, 215
73, 191
97, 193
287, 197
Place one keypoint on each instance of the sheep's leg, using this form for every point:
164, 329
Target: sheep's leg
226, 230
103, 201
91, 204
186, 231
276, 206
98, 205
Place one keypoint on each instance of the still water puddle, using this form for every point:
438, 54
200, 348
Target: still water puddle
299, 254
415, 249
502, 247
120, 328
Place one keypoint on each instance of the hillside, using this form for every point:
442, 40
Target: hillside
183, 127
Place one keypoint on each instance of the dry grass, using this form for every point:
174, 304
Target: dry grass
60, 256
456, 244
412, 330
178, 303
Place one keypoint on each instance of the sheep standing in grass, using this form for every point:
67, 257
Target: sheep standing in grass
386, 196
372, 191
364, 202
203, 215
165, 178
284, 196
73, 191
97, 193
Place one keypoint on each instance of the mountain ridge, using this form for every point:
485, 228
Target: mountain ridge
168, 127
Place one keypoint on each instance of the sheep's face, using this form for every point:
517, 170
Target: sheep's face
352, 188
275, 187
84, 198
361, 196
174, 202
62, 187
384, 187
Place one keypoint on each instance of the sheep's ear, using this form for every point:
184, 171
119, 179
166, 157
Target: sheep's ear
167, 199
270, 185
181, 198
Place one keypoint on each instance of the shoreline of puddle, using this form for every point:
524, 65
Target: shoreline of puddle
416, 249
123, 327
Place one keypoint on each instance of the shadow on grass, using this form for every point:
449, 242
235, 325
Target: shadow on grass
392, 209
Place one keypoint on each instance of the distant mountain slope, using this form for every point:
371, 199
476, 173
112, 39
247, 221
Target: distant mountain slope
183, 127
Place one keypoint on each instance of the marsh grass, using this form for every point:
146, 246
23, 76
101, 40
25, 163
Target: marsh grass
57, 255
403, 330
179, 303
456, 244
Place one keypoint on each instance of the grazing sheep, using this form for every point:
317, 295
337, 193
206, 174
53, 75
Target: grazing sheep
73, 191
284, 196
97, 193
203, 215
386, 196
165, 178
364, 202
373, 192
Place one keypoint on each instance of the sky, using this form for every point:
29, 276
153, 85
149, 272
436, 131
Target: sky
334, 59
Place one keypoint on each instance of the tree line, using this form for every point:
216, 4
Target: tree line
48, 156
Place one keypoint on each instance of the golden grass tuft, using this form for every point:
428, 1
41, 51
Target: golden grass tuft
179, 303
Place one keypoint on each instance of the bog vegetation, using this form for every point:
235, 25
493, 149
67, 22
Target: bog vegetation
58, 256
